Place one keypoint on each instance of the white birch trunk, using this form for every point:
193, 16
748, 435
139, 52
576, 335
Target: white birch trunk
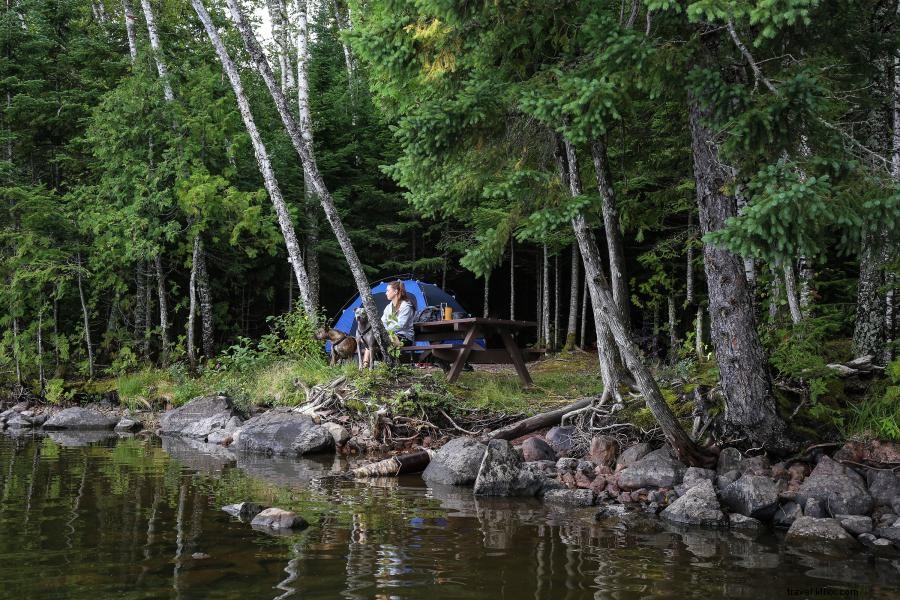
774, 294
192, 307
153, 33
698, 333
163, 309
262, 159
689, 260
128, 10
555, 301
614, 243
279, 17
205, 300
806, 284
539, 301
584, 304
573, 300
674, 343
305, 152
87, 322
790, 288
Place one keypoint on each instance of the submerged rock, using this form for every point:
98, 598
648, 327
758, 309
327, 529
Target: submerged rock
810, 531
276, 518
839, 490
83, 419
126, 425
504, 473
786, 514
243, 510
313, 440
698, 506
739, 521
456, 463
570, 497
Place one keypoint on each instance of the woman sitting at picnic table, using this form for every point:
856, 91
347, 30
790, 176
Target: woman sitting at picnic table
397, 317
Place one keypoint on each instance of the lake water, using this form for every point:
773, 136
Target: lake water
99, 517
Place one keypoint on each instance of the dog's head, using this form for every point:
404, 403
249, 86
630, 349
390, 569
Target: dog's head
361, 315
321, 334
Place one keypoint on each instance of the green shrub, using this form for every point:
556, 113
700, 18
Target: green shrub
55, 392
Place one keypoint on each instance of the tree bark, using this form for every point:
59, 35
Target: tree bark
40, 351
87, 322
556, 301
192, 306
512, 279
871, 306
573, 300
584, 305
163, 310
698, 333
674, 344
545, 300
305, 152
278, 15
806, 285
749, 402
614, 244
487, 292
262, 159
157, 50
790, 288
140, 310
205, 296
547, 419
689, 260
129, 29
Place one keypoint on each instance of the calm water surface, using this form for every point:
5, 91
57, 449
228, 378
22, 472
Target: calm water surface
95, 517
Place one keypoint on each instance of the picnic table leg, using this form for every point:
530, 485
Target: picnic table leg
460, 361
515, 355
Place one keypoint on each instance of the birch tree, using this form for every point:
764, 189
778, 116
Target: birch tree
155, 45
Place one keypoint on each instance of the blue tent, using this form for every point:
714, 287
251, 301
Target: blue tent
425, 294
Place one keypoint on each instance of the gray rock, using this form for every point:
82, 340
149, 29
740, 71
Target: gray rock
313, 440
786, 514
729, 460
198, 417
891, 533
656, 469
699, 506
456, 463
756, 465
752, 496
738, 521
81, 419
566, 464
19, 422
883, 544
570, 497
220, 437
813, 508
840, 490
884, 486
338, 432
855, 524
810, 530
561, 440
273, 432
726, 479
503, 473
535, 448
127, 424
604, 450
276, 518
632, 455
867, 539
243, 510
696, 474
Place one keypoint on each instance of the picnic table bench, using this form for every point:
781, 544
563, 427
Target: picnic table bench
442, 343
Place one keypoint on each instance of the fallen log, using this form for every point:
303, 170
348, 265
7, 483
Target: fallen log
412, 462
547, 419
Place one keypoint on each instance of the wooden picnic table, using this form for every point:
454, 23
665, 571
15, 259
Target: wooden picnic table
455, 341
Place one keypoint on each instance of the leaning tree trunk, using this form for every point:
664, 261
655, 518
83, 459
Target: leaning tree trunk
614, 244
749, 403
606, 313
205, 296
573, 300
163, 310
311, 169
192, 307
87, 322
153, 33
129, 29
262, 159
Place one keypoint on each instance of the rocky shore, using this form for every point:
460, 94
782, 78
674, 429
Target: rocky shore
830, 498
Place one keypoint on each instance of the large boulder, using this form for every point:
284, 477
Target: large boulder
884, 486
504, 473
197, 418
838, 489
214, 428
456, 463
313, 440
809, 531
657, 469
698, 506
276, 518
632, 455
82, 419
855, 524
535, 448
561, 439
752, 496
274, 432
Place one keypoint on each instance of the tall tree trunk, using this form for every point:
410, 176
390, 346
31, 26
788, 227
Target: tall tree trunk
129, 29
305, 152
584, 305
205, 297
614, 244
192, 306
790, 288
689, 260
749, 403
573, 300
539, 300
148, 312
674, 344
487, 293
806, 292
163, 310
262, 159
279, 17
87, 321
555, 301
153, 33
40, 350
698, 333
512, 279
16, 353
871, 306
140, 310
774, 295
545, 299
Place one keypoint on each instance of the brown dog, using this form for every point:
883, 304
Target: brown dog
342, 345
